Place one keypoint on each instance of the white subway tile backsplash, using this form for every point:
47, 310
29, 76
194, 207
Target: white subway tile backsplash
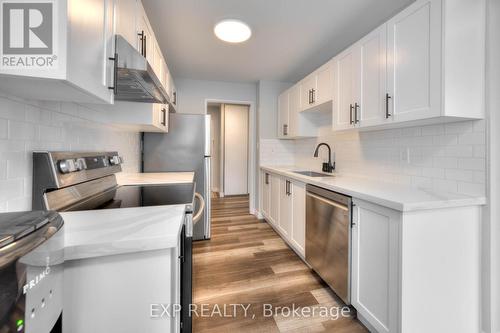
459, 151
480, 151
11, 110
26, 126
463, 175
471, 188
458, 128
10, 189
433, 130
445, 162
445, 157
20, 130
474, 138
472, 163
4, 132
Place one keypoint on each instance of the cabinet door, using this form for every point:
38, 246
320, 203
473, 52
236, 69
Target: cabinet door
324, 91
275, 199
372, 83
414, 61
375, 249
283, 110
307, 86
266, 194
146, 39
125, 14
285, 221
345, 83
298, 236
163, 117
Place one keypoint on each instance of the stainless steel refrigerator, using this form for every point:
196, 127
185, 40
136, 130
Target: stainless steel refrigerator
186, 147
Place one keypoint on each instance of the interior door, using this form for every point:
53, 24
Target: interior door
235, 149
414, 61
344, 88
372, 84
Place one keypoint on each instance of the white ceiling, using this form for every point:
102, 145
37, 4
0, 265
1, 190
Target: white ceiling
290, 37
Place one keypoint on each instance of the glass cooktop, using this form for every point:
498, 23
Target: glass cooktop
128, 196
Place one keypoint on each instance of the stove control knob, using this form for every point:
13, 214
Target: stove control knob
115, 160
80, 164
66, 166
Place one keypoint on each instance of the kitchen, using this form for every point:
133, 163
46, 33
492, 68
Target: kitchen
349, 182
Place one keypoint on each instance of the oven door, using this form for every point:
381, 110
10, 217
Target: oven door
186, 283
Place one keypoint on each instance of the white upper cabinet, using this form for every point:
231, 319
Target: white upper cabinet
370, 85
324, 84
126, 25
307, 90
74, 62
317, 88
414, 54
345, 85
283, 114
292, 122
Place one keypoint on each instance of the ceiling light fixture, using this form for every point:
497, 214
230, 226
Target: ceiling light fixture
232, 31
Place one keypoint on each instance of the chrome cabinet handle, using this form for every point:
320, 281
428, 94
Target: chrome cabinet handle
164, 119
351, 108
115, 74
387, 114
313, 94
356, 108
267, 179
141, 38
285, 129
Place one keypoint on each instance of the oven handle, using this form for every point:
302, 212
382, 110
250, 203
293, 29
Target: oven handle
199, 213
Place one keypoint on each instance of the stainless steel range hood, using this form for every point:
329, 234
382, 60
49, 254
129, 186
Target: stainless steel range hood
135, 79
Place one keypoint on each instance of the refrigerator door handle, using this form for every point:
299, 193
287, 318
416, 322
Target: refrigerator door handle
208, 197
208, 137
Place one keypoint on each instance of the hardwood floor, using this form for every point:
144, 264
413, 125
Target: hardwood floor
247, 263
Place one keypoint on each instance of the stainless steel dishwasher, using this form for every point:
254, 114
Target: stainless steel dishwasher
328, 238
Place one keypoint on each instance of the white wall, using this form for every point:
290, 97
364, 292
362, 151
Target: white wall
214, 112
26, 126
193, 94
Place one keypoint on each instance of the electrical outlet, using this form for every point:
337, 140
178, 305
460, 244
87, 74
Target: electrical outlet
405, 155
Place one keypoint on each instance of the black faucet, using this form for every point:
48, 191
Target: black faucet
327, 167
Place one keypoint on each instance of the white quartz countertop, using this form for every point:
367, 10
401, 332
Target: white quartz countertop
157, 178
398, 197
107, 232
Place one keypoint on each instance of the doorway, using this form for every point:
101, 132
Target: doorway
230, 148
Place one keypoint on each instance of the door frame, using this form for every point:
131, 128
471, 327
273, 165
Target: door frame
252, 146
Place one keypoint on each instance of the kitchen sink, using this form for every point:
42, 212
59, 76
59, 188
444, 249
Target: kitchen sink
312, 174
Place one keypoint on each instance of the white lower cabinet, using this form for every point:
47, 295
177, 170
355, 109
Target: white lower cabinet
298, 235
285, 222
274, 210
265, 194
416, 271
374, 287
284, 207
